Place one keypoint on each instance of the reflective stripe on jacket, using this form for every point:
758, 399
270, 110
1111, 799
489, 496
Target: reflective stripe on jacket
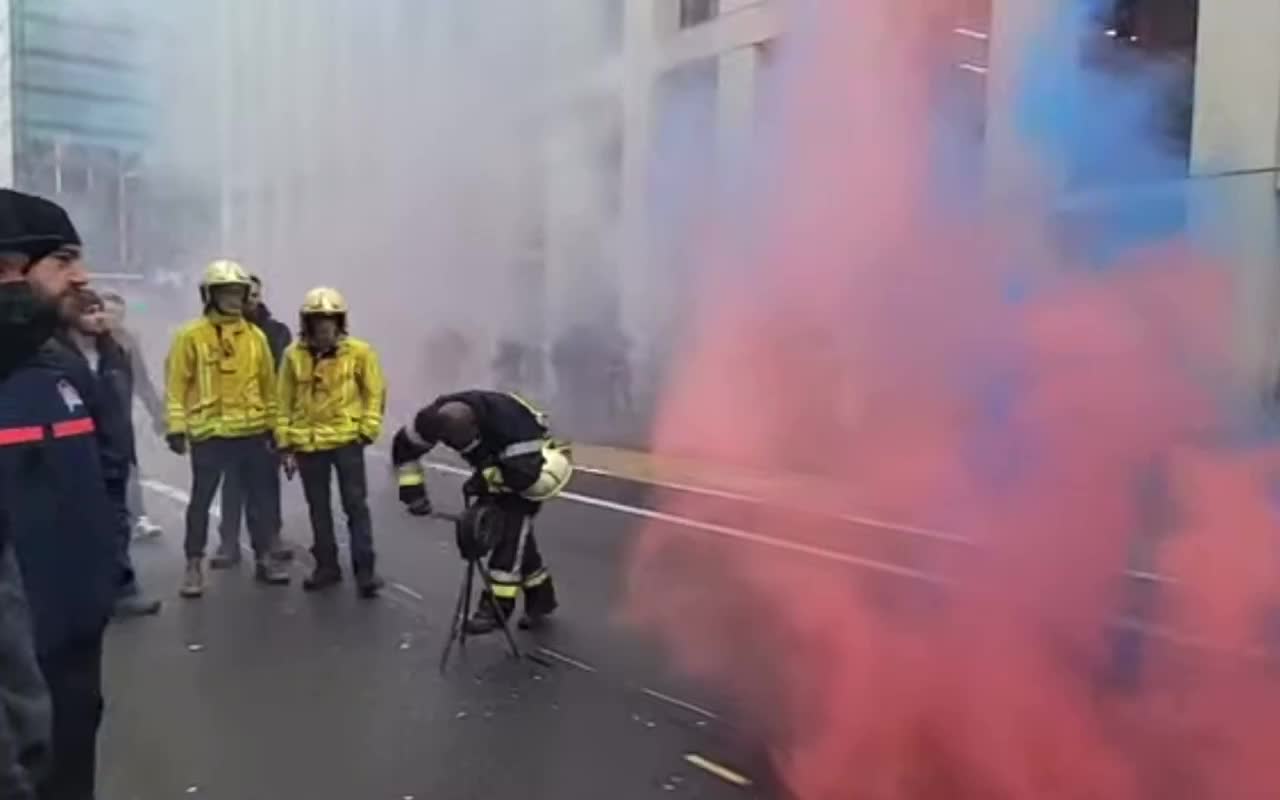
219, 380
330, 401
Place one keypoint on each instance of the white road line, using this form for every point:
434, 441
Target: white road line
824, 553
400, 587
757, 538
562, 658
675, 701
719, 770
728, 532
173, 493
856, 519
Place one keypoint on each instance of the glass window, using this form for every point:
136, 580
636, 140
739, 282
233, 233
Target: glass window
61, 73
696, 12
1159, 35
75, 113
43, 33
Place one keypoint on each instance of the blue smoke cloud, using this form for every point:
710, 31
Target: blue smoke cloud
1100, 116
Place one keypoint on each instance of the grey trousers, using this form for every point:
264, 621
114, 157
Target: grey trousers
249, 461
317, 470
26, 712
137, 508
233, 510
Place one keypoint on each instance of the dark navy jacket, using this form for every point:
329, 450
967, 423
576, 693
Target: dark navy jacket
278, 334
503, 421
55, 499
112, 385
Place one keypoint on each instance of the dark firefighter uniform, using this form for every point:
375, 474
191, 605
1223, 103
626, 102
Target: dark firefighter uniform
65, 524
54, 502
517, 467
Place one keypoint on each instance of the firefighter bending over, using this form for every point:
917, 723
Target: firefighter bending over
221, 400
517, 468
332, 397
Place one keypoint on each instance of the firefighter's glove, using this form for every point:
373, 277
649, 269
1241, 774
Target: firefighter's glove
415, 500
476, 486
177, 443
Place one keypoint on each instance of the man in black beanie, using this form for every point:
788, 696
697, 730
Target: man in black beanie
55, 498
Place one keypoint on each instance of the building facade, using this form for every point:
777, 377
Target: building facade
1224, 116
73, 118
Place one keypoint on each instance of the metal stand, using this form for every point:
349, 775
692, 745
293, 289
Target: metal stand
462, 613
462, 609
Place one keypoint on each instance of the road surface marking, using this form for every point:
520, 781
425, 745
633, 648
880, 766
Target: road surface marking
708, 527
173, 493
400, 587
756, 538
561, 657
781, 544
721, 772
726, 531
866, 522
675, 701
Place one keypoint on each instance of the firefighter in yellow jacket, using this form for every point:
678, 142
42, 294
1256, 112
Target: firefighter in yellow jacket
221, 405
332, 397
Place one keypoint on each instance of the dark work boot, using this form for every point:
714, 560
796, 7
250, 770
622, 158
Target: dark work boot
539, 604
270, 572
322, 578
228, 556
135, 605
533, 620
485, 619
368, 584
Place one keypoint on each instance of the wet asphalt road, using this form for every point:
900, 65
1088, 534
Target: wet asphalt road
262, 692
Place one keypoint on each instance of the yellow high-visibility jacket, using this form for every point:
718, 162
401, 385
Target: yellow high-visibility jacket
219, 379
330, 401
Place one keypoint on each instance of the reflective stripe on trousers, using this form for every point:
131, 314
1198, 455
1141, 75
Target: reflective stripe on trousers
508, 582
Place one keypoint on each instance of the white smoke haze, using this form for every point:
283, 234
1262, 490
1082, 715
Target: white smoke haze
440, 162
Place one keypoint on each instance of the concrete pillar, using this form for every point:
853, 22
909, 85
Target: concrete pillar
645, 22
736, 97
1236, 129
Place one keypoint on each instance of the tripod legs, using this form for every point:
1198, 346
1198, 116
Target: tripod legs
503, 621
462, 613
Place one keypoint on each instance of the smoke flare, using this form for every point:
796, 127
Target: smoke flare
1069, 411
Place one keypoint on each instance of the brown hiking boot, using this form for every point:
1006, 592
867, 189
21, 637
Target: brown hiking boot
193, 579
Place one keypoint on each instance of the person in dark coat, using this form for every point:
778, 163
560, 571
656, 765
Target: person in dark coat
97, 358
144, 389
26, 714
279, 337
55, 496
